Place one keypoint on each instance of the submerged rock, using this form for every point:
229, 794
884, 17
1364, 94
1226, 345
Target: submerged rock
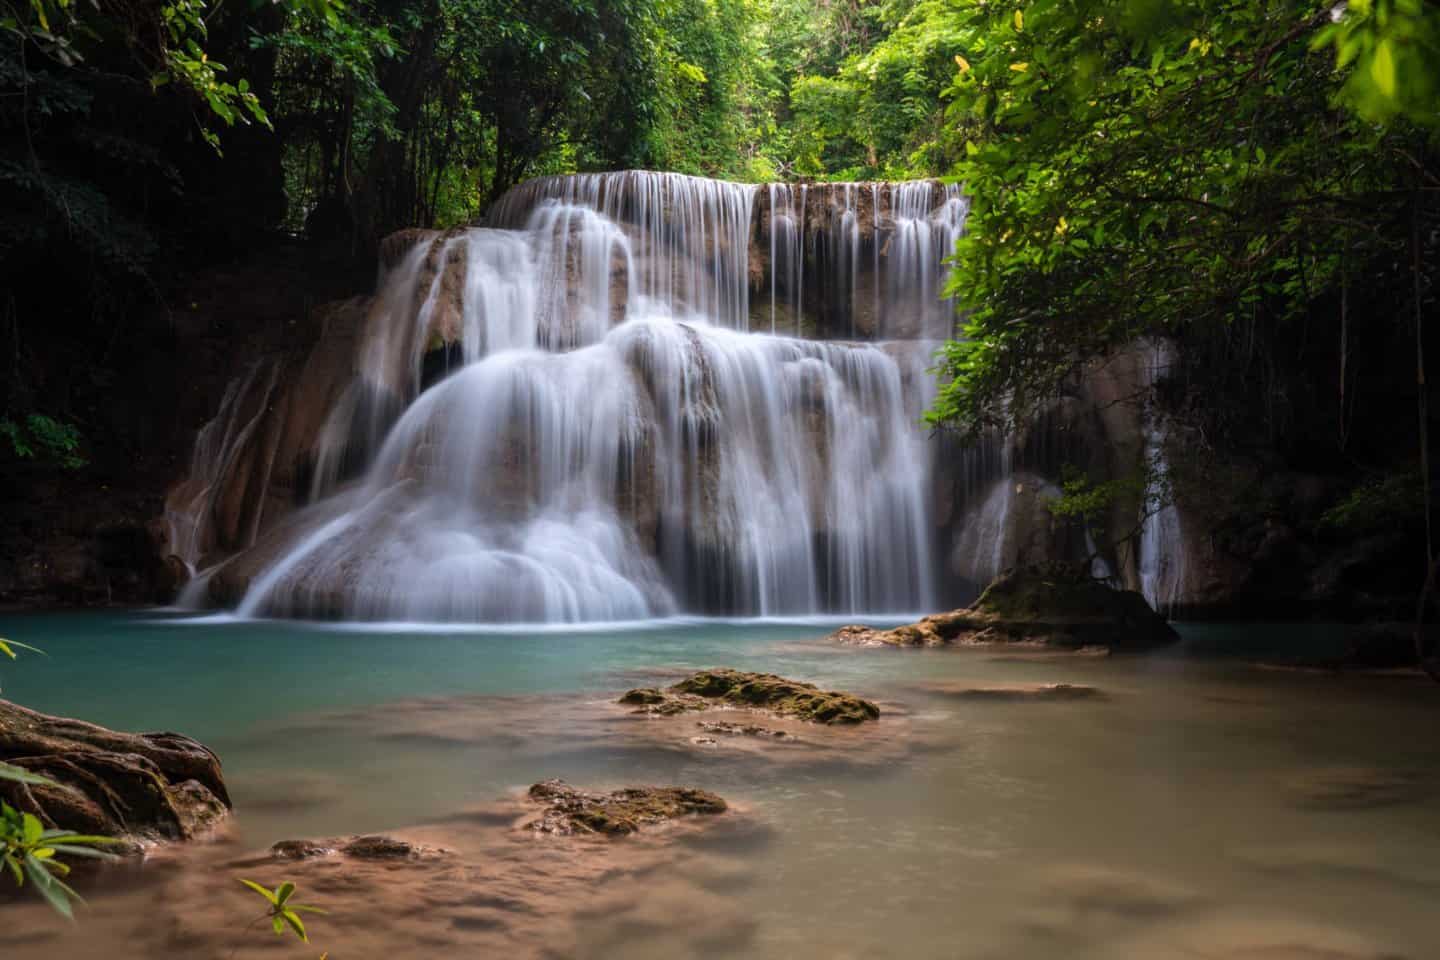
742, 729
1020, 691
1046, 605
761, 691
1358, 788
369, 847
569, 810
141, 787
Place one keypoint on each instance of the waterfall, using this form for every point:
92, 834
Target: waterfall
692, 237
1162, 545
633, 395
924, 237
213, 458
563, 416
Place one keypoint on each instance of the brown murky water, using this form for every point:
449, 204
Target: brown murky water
1196, 808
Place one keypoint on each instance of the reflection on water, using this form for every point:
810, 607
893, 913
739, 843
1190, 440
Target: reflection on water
1196, 808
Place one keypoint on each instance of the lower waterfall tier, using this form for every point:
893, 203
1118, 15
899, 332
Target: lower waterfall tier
668, 467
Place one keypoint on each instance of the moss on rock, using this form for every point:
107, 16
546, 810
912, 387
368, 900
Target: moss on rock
759, 691
1051, 605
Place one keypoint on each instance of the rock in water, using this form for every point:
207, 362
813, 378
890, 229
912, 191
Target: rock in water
569, 810
1051, 605
143, 787
760, 691
370, 847
1017, 692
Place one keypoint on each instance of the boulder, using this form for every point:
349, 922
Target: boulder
759, 691
1049, 605
141, 787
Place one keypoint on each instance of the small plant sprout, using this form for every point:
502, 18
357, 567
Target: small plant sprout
282, 912
28, 851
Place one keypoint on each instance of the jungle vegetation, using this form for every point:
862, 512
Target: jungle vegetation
1257, 180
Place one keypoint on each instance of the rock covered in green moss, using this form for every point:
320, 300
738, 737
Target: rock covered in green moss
758, 691
1051, 605
570, 810
652, 700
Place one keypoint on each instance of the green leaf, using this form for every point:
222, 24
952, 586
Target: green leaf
269, 897
283, 892
1382, 68
8, 648
292, 918
71, 851
51, 888
278, 924
21, 775
65, 836
32, 829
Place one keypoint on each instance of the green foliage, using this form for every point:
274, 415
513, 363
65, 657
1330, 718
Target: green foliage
1092, 503
1178, 169
38, 437
29, 851
1393, 47
282, 913
1085, 499
1383, 504
20, 775
169, 38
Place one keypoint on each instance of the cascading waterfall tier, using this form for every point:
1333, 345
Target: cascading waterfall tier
587, 411
1162, 557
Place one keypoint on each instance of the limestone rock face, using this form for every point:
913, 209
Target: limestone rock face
141, 787
253, 463
1054, 606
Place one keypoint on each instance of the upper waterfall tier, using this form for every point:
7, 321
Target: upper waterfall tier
830, 260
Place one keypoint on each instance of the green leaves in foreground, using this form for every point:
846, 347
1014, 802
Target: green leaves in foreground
282, 912
21, 775
28, 850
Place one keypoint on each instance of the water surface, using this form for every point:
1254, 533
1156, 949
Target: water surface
1203, 808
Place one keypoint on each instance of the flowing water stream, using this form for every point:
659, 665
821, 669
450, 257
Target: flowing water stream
1203, 808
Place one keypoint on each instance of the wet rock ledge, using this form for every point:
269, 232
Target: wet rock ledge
1053, 606
764, 692
140, 787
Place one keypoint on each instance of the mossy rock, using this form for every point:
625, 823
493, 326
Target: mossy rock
1053, 605
759, 691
